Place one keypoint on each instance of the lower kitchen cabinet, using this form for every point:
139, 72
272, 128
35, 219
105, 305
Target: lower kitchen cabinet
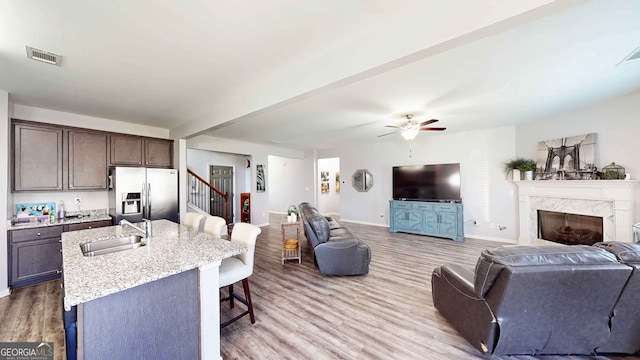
35, 254
427, 218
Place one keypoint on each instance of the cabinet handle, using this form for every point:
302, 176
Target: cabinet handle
59, 272
60, 250
60, 240
37, 234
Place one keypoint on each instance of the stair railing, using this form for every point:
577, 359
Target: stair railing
201, 194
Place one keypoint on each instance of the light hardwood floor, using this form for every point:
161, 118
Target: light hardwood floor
301, 314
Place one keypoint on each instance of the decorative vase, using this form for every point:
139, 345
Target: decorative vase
529, 175
515, 175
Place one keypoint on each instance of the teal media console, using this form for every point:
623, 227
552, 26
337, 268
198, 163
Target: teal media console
441, 219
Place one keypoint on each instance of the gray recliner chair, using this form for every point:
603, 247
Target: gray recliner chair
533, 300
625, 317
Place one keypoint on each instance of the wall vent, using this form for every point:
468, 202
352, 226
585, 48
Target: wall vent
633, 56
43, 55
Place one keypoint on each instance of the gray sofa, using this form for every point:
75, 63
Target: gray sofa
545, 300
335, 250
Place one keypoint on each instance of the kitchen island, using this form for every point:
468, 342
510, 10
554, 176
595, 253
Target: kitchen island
160, 300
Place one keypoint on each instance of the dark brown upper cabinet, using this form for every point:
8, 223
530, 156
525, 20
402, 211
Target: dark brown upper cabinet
49, 157
87, 160
126, 150
37, 157
158, 153
129, 150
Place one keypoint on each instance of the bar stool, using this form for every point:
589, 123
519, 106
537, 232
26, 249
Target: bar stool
214, 225
192, 220
239, 268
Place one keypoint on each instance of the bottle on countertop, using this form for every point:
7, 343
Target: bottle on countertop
61, 210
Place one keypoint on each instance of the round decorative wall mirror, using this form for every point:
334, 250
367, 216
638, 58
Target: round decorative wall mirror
362, 180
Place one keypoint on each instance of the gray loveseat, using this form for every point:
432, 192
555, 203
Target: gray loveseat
335, 250
545, 300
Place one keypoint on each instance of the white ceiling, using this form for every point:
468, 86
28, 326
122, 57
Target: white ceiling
318, 74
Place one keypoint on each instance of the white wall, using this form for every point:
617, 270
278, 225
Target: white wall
290, 182
88, 122
487, 195
616, 123
200, 160
329, 202
5, 190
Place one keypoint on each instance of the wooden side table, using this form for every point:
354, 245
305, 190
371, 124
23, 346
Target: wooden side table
290, 254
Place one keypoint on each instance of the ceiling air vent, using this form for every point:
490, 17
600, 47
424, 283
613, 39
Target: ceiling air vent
43, 55
634, 56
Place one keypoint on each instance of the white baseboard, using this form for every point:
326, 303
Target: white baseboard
5, 292
491, 238
364, 223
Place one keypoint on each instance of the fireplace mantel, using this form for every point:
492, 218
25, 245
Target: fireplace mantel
611, 199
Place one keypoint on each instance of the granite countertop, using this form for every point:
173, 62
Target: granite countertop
173, 248
86, 216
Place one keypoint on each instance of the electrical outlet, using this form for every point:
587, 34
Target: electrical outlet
77, 201
475, 223
501, 227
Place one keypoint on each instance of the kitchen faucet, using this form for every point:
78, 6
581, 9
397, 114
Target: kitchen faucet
147, 231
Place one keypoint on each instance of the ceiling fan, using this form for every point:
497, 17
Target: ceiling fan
410, 129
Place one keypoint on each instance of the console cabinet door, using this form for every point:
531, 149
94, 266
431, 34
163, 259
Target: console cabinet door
408, 220
37, 155
431, 223
158, 153
448, 224
126, 150
87, 160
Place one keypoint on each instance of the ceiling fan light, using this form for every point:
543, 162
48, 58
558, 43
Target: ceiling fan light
409, 134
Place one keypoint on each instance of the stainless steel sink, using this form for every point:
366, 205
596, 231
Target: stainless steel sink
112, 245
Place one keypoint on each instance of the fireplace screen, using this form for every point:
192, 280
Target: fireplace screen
569, 229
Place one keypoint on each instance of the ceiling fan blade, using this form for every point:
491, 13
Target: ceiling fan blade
434, 129
395, 127
424, 123
395, 132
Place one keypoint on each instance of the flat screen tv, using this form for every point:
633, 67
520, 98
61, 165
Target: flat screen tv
438, 182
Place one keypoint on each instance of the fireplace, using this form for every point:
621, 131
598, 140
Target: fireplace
569, 229
610, 200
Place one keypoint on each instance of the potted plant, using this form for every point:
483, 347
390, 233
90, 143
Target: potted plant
528, 167
513, 167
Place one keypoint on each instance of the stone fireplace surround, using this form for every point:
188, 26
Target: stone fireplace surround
613, 200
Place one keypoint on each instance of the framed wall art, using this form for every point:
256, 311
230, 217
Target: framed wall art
567, 158
261, 185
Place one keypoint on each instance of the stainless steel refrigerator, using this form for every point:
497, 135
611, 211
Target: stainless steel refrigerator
136, 193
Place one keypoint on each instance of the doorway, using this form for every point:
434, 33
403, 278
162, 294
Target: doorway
329, 184
221, 177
